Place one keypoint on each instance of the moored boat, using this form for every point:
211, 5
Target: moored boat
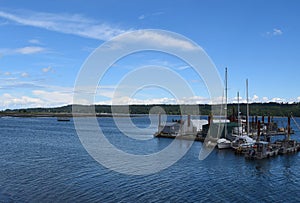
261, 150
243, 141
223, 143
65, 119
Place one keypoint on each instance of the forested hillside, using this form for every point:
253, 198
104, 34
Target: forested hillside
273, 109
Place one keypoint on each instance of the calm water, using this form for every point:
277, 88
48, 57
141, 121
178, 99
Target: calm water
42, 160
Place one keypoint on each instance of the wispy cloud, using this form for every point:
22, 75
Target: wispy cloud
15, 83
29, 50
141, 17
57, 96
159, 39
54, 97
274, 32
277, 32
184, 67
34, 41
65, 23
24, 75
11, 101
257, 99
40, 96
46, 70
23, 50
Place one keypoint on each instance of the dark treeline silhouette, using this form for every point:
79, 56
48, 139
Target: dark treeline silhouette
272, 109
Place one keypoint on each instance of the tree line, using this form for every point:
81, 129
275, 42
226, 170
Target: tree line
259, 109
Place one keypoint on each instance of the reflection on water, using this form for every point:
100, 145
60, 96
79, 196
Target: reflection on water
42, 160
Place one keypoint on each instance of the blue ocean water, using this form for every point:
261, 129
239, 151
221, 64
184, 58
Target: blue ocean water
42, 160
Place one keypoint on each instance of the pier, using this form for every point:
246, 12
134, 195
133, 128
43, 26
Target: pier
260, 149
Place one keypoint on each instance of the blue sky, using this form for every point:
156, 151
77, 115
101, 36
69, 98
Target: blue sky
44, 44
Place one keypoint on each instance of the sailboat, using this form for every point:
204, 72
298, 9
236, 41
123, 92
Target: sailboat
243, 141
224, 143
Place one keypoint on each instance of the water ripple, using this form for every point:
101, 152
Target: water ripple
42, 160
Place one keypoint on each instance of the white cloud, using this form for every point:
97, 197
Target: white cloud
29, 50
130, 101
255, 98
34, 41
23, 50
125, 100
46, 70
141, 17
52, 98
265, 99
10, 101
39, 98
277, 32
183, 67
158, 39
24, 75
274, 32
277, 99
65, 23
236, 100
60, 97
7, 73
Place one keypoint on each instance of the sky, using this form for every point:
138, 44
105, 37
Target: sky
44, 45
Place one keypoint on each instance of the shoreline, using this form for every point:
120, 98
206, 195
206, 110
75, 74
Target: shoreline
70, 115
65, 115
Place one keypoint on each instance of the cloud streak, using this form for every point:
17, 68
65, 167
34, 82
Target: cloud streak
275, 32
46, 70
64, 23
141, 17
23, 50
60, 97
29, 50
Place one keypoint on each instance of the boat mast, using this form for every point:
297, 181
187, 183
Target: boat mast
239, 120
226, 102
248, 127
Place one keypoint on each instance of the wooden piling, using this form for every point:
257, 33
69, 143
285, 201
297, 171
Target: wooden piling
258, 132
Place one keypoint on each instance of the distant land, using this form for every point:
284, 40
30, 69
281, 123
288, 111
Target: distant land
256, 109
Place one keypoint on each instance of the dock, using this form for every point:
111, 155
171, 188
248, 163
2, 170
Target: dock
260, 149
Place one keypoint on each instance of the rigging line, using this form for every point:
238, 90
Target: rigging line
295, 122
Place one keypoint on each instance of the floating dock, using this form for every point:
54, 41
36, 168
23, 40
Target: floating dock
258, 150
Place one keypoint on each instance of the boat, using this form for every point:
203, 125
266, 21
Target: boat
223, 143
261, 150
65, 119
177, 128
242, 142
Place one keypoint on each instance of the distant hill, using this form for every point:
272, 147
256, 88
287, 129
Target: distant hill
259, 109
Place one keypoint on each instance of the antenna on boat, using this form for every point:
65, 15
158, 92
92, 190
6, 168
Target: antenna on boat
239, 120
289, 128
248, 127
226, 102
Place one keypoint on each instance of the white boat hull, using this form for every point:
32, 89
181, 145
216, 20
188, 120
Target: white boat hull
223, 144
